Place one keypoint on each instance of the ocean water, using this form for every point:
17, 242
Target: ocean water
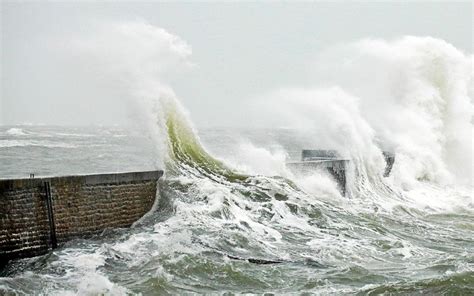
232, 217
240, 231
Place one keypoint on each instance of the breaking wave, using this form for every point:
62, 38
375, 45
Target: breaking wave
16, 132
34, 143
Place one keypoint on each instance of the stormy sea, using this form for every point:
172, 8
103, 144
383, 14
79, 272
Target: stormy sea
233, 218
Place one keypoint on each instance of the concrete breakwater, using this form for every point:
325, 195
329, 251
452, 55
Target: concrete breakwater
331, 161
39, 214
328, 160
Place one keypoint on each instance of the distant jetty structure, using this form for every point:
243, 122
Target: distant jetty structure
333, 163
40, 214
328, 160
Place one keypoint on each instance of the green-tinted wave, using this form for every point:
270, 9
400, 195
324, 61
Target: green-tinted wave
186, 152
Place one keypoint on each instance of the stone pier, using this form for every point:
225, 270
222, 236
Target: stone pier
330, 161
39, 214
327, 160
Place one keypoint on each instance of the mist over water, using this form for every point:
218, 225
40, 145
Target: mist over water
228, 195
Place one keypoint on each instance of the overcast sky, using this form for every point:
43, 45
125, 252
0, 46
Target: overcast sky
240, 50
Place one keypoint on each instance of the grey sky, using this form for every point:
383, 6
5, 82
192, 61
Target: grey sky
240, 50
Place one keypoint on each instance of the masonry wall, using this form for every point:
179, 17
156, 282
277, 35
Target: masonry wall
80, 206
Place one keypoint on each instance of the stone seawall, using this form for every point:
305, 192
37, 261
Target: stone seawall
38, 214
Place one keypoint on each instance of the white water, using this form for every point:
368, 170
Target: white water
16, 132
417, 95
412, 96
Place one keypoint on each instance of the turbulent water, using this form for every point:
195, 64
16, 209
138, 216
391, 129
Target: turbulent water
210, 218
233, 218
